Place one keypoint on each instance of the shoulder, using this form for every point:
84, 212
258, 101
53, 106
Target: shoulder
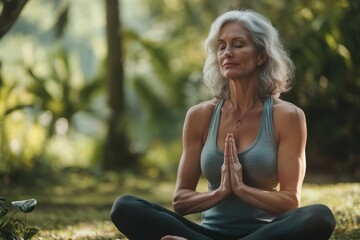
286, 109
203, 108
288, 118
198, 118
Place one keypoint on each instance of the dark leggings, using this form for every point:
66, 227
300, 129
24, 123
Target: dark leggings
139, 219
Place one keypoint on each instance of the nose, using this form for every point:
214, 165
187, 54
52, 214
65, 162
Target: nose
228, 52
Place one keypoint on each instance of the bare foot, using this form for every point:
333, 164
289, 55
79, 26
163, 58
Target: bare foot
168, 237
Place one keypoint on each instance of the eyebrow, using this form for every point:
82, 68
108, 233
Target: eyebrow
233, 39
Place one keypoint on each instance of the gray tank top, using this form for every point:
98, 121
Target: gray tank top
233, 216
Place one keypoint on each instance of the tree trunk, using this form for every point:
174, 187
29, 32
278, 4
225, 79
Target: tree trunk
116, 150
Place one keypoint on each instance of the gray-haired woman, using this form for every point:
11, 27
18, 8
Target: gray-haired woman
248, 143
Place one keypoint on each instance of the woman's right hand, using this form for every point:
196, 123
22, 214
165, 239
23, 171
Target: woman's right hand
225, 184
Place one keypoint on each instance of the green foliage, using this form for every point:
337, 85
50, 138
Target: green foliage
327, 81
40, 106
163, 57
45, 98
13, 228
323, 39
9, 104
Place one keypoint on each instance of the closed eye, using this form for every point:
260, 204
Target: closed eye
239, 44
221, 47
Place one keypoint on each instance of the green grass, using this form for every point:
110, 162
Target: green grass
77, 205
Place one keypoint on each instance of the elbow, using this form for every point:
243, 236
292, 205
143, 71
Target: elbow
298, 203
178, 209
294, 201
178, 206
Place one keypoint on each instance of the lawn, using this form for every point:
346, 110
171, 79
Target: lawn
77, 206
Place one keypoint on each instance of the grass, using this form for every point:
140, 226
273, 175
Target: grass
77, 205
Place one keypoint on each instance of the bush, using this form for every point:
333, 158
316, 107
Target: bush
13, 228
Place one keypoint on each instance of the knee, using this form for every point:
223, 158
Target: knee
121, 206
321, 217
324, 214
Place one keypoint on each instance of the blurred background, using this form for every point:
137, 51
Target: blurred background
105, 85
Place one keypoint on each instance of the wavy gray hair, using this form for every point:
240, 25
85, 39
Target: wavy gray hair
275, 75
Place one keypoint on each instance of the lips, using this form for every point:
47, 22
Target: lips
229, 64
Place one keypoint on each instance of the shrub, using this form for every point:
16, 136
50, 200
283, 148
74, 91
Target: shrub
13, 228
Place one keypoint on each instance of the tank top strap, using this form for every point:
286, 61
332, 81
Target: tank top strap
268, 123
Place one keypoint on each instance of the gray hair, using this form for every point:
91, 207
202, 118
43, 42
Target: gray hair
275, 74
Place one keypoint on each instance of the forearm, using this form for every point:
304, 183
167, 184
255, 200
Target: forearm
275, 202
188, 201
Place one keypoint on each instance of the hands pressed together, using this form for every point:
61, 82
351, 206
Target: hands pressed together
231, 175
231, 170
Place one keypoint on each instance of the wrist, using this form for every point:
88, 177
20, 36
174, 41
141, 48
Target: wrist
239, 190
220, 193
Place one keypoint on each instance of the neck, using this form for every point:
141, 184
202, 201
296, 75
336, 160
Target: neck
243, 95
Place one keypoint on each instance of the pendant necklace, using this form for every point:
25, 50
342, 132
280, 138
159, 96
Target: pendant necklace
240, 120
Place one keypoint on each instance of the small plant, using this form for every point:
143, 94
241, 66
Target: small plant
13, 228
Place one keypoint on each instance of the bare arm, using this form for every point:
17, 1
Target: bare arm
186, 200
291, 135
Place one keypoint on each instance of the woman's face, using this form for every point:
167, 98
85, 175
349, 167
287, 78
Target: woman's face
236, 52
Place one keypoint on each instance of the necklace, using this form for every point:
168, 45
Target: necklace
240, 120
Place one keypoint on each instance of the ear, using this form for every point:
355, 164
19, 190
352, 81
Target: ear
261, 58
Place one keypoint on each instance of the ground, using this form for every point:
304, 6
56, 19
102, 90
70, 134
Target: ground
78, 206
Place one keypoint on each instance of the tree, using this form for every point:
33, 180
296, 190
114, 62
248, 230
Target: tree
116, 150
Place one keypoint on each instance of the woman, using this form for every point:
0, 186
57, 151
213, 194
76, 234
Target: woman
249, 144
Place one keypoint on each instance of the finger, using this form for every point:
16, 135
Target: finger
232, 152
227, 152
234, 149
